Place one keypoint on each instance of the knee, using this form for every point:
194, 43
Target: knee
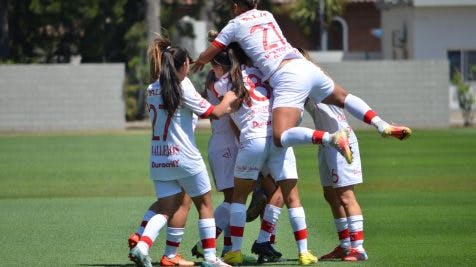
277, 139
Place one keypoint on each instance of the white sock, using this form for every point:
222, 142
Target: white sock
343, 232
297, 218
149, 214
207, 230
151, 232
237, 224
222, 216
174, 237
302, 135
270, 218
356, 229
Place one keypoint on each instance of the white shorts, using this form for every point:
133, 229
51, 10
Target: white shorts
195, 185
334, 169
221, 158
261, 153
297, 80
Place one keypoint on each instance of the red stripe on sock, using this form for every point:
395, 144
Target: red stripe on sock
317, 137
272, 239
147, 240
236, 231
143, 223
344, 234
227, 241
172, 244
267, 226
208, 243
300, 235
369, 115
359, 235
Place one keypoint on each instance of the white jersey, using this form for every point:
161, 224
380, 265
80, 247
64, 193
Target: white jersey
329, 118
253, 118
333, 169
260, 36
174, 154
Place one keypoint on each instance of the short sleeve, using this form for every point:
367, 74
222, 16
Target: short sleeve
194, 101
226, 35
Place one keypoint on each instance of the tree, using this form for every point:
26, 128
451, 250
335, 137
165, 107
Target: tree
466, 98
307, 13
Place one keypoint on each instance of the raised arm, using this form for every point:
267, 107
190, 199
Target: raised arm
205, 57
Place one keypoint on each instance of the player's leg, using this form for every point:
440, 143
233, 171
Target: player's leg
263, 246
292, 84
170, 197
282, 165
361, 110
199, 189
355, 221
340, 222
175, 231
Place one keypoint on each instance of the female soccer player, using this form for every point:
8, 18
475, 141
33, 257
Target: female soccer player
176, 165
222, 150
292, 78
257, 150
338, 179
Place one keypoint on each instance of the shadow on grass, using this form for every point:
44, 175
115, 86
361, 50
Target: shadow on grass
249, 261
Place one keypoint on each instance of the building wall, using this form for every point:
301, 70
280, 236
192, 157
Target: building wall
430, 31
413, 93
61, 97
438, 30
361, 19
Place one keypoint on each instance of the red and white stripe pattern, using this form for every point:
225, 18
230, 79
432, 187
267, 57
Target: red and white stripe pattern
207, 230
297, 219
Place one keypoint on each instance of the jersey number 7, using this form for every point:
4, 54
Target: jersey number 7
153, 113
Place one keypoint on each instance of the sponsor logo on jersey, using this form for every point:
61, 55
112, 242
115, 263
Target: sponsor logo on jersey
165, 150
170, 164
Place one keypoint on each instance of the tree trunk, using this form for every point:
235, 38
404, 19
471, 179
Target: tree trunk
3, 29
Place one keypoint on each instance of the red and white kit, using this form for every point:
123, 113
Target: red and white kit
222, 148
333, 168
174, 154
261, 38
254, 120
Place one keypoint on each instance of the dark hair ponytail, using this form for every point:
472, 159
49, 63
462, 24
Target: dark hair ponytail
164, 63
238, 58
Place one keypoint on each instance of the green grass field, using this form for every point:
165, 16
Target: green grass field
73, 199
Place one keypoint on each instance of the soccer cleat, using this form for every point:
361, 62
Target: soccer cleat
197, 250
337, 254
233, 257
355, 255
140, 259
397, 131
175, 261
256, 207
340, 141
216, 263
133, 240
265, 249
306, 258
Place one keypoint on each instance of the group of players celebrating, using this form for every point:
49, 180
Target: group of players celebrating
255, 94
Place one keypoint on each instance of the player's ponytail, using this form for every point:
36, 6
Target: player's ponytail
238, 58
164, 63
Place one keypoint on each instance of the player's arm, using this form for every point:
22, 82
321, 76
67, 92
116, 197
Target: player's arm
225, 105
205, 57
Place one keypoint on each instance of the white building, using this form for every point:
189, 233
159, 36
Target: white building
430, 29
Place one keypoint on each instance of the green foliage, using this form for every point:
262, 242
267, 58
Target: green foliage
306, 13
466, 98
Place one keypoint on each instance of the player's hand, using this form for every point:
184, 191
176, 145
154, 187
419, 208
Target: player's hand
197, 66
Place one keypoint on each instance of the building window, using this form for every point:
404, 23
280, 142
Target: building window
463, 61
